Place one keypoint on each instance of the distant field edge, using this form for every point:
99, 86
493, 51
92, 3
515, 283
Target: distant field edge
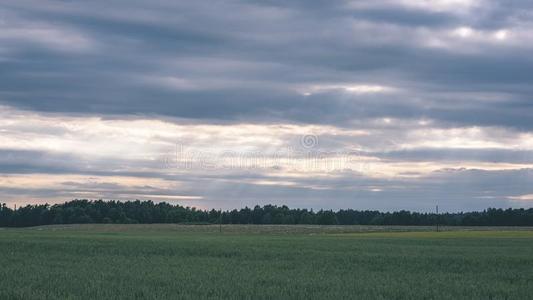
270, 229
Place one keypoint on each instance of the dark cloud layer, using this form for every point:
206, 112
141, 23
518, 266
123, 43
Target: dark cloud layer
235, 60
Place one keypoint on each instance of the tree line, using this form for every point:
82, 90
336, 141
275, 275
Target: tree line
147, 212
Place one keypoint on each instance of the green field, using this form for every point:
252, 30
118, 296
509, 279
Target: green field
269, 262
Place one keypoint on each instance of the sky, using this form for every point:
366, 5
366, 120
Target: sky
386, 105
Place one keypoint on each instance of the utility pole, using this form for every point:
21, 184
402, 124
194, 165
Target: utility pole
437, 218
220, 221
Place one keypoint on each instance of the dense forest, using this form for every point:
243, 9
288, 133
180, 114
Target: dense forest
85, 211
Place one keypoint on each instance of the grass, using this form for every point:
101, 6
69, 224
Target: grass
264, 262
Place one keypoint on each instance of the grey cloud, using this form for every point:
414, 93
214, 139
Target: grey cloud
452, 189
459, 155
306, 43
43, 162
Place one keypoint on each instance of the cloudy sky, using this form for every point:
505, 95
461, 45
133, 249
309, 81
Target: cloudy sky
391, 104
